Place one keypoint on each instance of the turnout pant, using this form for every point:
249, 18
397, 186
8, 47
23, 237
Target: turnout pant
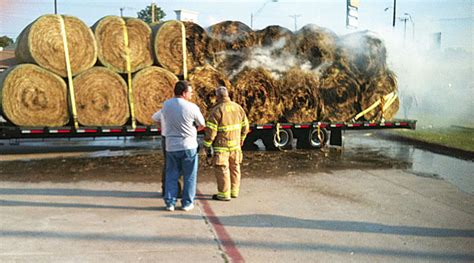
227, 166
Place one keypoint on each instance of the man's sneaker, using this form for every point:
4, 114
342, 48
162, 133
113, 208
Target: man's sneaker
188, 207
234, 196
216, 197
170, 207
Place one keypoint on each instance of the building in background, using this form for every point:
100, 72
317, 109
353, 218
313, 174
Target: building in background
187, 15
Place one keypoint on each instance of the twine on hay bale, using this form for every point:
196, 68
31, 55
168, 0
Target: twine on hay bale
151, 87
101, 98
33, 96
41, 43
109, 32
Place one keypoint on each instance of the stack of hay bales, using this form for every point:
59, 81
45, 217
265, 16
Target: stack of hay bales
324, 77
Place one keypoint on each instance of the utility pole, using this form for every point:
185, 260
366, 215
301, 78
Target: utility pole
404, 20
152, 11
121, 11
55, 7
394, 11
295, 17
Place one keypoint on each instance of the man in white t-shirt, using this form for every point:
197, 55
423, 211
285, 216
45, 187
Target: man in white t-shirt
180, 120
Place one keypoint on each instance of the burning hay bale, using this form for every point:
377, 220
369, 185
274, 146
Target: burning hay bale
41, 43
151, 87
33, 96
365, 53
278, 38
299, 96
376, 89
205, 80
168, 45
338, 94
256, 91
101, 98
110, 34
316, 44
229, 43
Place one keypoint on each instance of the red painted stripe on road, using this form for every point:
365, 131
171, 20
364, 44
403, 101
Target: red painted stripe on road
222, 235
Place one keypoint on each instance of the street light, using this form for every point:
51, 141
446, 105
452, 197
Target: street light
412, 24
252, 15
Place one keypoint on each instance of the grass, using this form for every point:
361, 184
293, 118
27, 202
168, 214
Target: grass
452, 136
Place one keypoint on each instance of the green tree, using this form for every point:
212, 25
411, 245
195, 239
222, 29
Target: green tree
145, 14
5, 41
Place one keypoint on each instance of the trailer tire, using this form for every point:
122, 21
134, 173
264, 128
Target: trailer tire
310, 139
285, 141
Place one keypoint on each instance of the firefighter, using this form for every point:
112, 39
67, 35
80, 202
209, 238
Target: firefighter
226, 128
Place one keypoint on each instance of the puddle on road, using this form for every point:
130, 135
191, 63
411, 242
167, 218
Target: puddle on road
141, 160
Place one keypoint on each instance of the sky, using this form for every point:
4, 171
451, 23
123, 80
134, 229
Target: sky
442, 80
453, 18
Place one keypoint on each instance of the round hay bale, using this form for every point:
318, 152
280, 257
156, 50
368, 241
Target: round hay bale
376, 88
256, 91
280, 39
41, 43
151, 87
231, 35
167, 45
229, 43
299, 96
316, 44
33, 96
101, 98
365, 53
205, 80
109, 32
338, 94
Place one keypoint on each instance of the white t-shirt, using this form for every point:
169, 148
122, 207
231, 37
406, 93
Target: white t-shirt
179, 119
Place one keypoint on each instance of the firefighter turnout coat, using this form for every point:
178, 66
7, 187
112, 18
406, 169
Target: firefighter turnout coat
226, 127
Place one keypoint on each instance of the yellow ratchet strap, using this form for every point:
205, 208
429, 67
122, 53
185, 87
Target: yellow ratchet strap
129, 73
319, 133
69, 72
374, 105
278, 132
183, 45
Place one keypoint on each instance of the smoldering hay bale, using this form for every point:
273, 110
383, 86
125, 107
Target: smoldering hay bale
168, 48
41, 43
205, 80
229, 43
365, 53
299, 96
279, 38
257, 92
231, 35
151, 87
315, 44
33, 96
101, 98
111, 43
338, 94
378, 87
197, 42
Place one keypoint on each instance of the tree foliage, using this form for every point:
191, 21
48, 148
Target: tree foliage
145, 14
5, 41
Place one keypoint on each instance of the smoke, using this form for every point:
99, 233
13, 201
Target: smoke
275, 59
435, 85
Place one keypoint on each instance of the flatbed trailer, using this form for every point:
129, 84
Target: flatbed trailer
273, 135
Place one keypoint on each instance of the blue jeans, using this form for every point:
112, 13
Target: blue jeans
185, 163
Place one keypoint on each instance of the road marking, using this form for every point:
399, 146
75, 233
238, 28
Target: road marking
223, 237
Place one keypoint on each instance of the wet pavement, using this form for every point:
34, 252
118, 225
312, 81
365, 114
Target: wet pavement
372, 201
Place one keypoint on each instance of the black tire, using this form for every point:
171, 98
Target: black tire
249, 143
285, 142
310, 140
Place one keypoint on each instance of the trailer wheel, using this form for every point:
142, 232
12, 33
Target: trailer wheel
311, 140
284, 142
